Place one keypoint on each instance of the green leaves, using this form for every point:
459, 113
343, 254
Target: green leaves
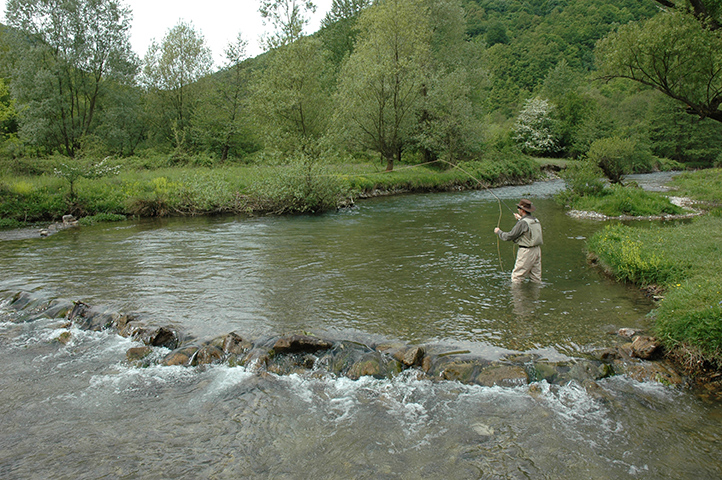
291, 98
63, 73
673, 52
287, 18
381, 82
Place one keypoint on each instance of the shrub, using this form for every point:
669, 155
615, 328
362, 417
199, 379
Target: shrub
618, 200
667, 165
203, 192
614, 155
583, 178
8, 223
534, 130
72, 171
304, 186
500, 167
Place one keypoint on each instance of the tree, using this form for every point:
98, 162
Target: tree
71, 52
291, 96
496, 33
563, 87
614, 156
287, 18
170, 70
222, 117
381, 82
339, 29
8, 114
121, 127
534, 128
678, 52
450, 129
448, 124
679, 136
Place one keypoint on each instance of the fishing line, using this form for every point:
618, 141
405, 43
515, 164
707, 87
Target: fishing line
500, 202
482, 184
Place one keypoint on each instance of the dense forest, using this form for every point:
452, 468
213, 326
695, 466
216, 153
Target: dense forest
404, 81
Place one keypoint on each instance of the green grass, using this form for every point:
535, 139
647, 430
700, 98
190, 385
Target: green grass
617, 201
704, 186
689, 318
30, 192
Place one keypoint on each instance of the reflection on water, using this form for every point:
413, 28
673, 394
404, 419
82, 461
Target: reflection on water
421, 268
525, 299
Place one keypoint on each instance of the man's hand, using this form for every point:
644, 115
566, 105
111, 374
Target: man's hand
517, 216
497, 230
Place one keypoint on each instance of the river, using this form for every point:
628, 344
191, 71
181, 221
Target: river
419, 269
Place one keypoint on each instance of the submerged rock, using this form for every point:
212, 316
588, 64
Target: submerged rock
206, 355
64, 338
181, 356
157, 337
256, 359
300, 343
136, 354
308, 354
503, 376
374, 364
234, 344
91, 318
644, 347
644, 371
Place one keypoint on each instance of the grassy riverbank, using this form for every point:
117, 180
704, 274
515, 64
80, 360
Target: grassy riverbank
588, 191
683, 263
37, 190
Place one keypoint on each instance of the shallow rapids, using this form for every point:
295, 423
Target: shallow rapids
420, 269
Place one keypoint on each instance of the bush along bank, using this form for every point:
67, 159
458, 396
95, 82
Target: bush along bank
681, 265
302, 186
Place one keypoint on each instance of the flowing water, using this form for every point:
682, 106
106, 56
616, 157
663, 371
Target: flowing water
421, 269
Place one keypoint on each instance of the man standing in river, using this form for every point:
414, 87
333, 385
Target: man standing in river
527, 234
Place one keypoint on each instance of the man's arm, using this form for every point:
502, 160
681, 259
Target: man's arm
515, 232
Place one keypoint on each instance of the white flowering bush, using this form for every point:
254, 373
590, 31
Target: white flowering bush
534, 128
74, 171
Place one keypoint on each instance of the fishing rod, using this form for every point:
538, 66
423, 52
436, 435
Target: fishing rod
499, 200
480, 183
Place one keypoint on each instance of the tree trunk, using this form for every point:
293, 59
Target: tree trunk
389, 162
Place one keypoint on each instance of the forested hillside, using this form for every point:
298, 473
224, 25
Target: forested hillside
401, 80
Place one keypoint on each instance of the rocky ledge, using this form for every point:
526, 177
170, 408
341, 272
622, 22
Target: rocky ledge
635, 355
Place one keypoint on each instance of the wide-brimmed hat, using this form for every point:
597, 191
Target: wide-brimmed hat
526, 205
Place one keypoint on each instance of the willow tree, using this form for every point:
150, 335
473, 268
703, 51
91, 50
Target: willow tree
221, 118
449, 127
170, 70
678, 52
339, 28
288, 18
70, 52
8, 114
290, 97
381, 83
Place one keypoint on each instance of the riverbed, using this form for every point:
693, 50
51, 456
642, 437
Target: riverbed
418, 269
